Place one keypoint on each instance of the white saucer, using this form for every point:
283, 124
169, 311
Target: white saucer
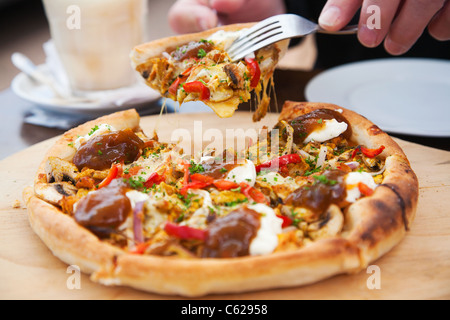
400, 95
136, 96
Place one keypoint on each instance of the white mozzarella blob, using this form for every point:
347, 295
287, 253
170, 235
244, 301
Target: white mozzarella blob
274, 178
136, 196
103, 128
352, 179
266, 239
331, 129
198, 218
225, 37
245, 172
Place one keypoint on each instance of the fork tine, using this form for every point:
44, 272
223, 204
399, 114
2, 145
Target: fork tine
255, 43
257, 27
263, 43
253, 33
255, 39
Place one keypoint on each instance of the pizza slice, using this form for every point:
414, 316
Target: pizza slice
197, 67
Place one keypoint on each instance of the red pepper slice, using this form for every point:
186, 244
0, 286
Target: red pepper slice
252, 193
364, 189
199, 181
173, 89
186, 165
225, 184
286, 221
202, 178
255, 71
113, 173
197, 87
280, 162
369, 153
185, 232
154, 178
132, 171
140, 248
194, 185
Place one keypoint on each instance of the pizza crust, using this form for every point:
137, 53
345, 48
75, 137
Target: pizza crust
374, 226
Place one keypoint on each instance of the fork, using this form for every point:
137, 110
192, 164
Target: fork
274, 29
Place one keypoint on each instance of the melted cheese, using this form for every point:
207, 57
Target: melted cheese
266, 239
225, 38
243, 173
352, 179
331, 129
102, 128
198, 218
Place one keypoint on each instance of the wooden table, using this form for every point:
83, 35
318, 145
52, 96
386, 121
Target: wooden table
418, 268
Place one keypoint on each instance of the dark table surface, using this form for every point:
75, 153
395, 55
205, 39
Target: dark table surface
17, 135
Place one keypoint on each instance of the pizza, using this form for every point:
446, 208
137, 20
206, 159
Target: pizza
323, 192
197, 67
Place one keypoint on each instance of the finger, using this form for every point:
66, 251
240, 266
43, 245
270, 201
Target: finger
187, 16
227, 6
439, 26
410, 23
336, 14
375, 21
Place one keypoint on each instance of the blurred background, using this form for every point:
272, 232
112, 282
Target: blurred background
25, 29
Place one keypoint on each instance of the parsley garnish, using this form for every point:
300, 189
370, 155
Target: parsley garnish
93, 130
235, 202
310, 172
201, 53
323, 179
196, 168
135, 183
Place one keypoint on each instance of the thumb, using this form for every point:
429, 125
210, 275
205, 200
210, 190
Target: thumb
188, 17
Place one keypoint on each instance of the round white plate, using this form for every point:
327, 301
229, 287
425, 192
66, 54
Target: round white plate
401, 95
136, 96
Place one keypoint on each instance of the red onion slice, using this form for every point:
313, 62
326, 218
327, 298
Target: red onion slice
138, 216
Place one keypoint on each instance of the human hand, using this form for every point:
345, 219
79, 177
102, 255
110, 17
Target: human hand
187, 16
402, 21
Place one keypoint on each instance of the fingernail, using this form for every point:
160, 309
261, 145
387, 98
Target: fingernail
368, 37
204, 24
395, 48
330, 17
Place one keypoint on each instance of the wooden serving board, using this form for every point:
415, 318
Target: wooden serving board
418, 268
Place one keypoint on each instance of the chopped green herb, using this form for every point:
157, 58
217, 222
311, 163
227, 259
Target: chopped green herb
310, 172
93, 130
137, 183
196, 168
235, 202
201, 53
323, 179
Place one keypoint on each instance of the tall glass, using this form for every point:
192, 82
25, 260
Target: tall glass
94, 39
